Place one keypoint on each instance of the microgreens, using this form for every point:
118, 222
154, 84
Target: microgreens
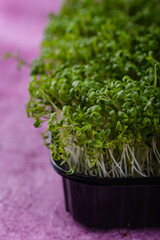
20, 62
97, 83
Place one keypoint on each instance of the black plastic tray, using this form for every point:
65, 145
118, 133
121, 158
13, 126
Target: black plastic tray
111, 202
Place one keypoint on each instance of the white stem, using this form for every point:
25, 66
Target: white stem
140, 173
125, 163
101, 162
155, 150
113, 168
121, 171
139, 168
148, 162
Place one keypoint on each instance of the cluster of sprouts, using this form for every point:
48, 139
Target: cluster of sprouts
97, 84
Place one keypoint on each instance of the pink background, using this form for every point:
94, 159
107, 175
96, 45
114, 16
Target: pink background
31, 194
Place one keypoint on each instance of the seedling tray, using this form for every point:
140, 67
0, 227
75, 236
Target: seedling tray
111, 202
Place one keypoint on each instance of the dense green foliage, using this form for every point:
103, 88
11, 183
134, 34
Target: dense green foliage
97, 82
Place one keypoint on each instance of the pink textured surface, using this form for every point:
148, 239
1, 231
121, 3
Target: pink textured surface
31, 196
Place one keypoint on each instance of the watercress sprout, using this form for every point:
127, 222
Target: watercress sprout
97, 83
